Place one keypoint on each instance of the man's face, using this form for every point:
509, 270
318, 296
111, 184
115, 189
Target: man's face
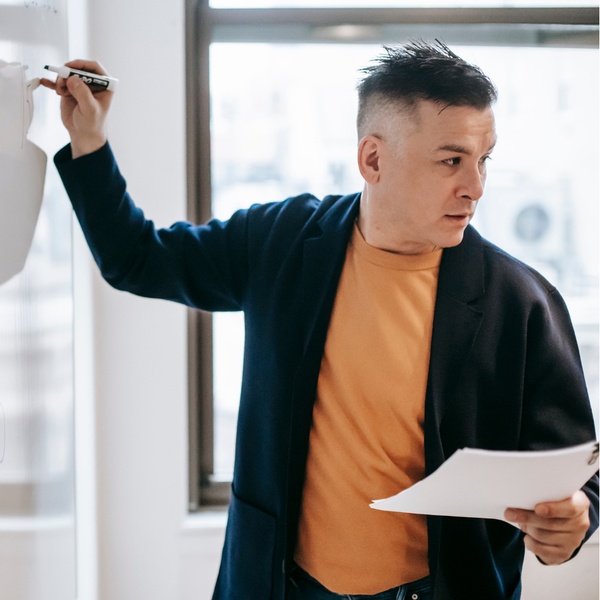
432, 168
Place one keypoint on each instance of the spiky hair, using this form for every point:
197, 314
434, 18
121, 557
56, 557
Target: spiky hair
422, 71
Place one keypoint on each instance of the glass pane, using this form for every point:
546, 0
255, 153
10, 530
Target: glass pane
283, 123
228, 355
37, 480
393, 3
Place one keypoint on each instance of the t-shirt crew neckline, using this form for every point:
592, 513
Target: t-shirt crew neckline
391, 260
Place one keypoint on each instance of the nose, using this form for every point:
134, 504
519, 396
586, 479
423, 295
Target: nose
472, 182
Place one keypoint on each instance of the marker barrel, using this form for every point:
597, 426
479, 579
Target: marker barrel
102, 81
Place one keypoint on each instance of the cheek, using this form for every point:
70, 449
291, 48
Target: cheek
416, 192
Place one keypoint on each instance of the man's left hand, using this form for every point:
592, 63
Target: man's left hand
553, 530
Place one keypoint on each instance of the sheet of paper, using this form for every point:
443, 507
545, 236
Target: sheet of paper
22, 170
483, 483
22, 175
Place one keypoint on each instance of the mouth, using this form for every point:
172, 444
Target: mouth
460, 219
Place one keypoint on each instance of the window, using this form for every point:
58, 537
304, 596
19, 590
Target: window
391, 3
282, 122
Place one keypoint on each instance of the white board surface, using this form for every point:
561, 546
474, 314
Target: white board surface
37, 505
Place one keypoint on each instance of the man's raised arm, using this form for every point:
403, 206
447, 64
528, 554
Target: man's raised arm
203, 266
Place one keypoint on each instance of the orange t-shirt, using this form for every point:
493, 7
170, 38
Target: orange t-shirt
366, 439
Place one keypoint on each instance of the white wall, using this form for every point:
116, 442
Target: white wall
85, 417
140, 347
148, 549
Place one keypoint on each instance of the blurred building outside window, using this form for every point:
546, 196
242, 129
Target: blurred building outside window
283, 123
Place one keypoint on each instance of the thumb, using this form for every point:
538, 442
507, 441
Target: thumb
82, 93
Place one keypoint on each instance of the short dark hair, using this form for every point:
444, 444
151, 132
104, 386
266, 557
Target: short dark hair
423, 71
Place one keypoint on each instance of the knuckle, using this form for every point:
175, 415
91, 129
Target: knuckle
530, 543
584, 522
581, 497
523, 527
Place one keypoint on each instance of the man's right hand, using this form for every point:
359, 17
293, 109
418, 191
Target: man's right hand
83, 109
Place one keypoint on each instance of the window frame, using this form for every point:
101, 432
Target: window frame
555, 26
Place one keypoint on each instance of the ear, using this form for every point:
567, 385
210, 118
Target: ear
369, 155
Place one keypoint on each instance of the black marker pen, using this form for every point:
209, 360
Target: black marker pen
103, 81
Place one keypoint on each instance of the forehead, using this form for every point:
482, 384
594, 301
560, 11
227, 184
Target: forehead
435, 124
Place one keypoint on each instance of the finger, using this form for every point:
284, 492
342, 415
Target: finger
526, 519
51, 85
92, 66
518, 515
551, 555
82, 93
549, 537
568, 508
98, 91
60, 86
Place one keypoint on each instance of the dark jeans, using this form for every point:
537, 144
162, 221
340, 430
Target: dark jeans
304, 587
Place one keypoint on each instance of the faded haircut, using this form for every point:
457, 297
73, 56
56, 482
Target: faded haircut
416, 71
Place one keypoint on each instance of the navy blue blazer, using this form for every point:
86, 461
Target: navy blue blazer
505, 372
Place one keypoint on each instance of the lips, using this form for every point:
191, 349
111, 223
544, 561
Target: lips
461, 219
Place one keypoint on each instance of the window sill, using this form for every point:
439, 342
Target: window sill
206, 519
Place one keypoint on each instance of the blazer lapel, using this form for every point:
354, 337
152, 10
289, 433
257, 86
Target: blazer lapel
324, 254
455, 326
456, 323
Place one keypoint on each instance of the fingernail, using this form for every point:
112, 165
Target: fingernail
510, 515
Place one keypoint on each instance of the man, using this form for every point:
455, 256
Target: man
382, 334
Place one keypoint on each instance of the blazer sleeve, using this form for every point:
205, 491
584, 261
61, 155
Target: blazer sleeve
201, 266
556, 409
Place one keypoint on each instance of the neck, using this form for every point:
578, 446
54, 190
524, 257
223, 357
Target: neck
377, 232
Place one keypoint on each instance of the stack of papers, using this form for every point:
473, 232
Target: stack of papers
484, 483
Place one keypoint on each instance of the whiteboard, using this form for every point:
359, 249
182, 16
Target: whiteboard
37, 482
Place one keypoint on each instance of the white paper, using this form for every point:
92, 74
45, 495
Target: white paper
22, 170
484, 483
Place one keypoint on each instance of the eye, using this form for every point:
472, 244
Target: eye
455, 160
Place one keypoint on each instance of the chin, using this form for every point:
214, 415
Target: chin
449, 241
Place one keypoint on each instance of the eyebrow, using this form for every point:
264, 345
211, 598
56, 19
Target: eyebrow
454, 148
460, 149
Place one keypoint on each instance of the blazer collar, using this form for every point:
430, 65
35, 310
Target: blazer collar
340, 215
462, 269
324, 256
